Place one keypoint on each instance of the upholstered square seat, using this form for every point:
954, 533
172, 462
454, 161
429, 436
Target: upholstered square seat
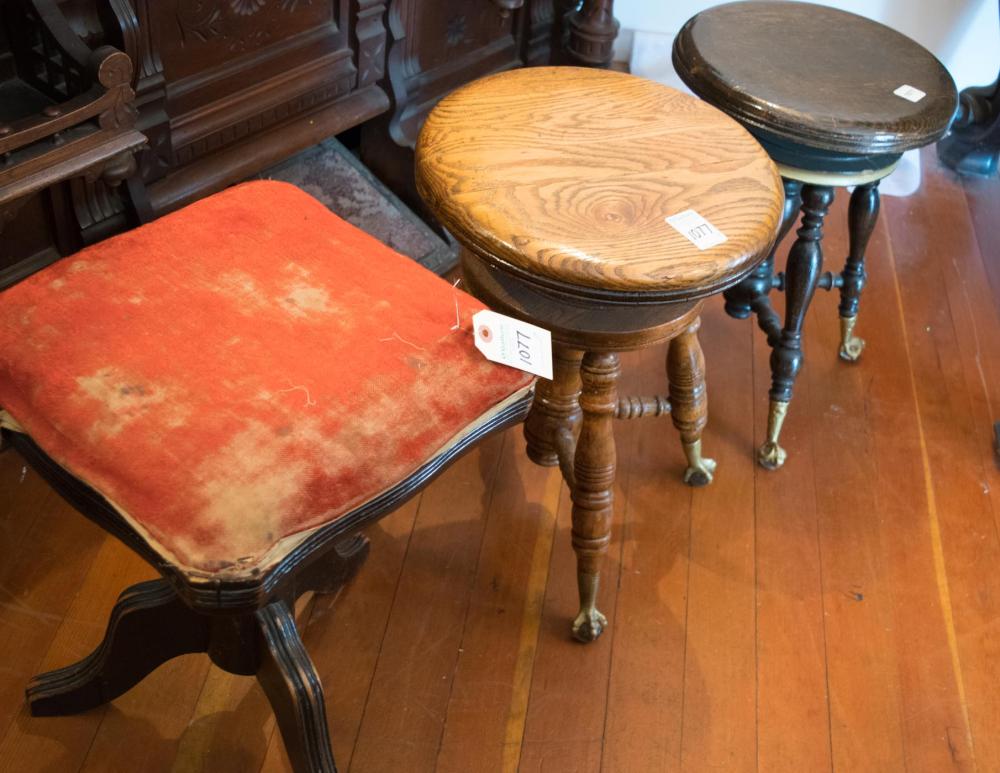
241, 372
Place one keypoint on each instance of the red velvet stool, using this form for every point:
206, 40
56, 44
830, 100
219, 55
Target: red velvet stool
235, 391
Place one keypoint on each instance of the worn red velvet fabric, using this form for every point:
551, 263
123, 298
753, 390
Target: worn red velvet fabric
241, 370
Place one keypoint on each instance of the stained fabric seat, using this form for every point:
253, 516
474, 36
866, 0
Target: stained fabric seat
235, 390
241, 371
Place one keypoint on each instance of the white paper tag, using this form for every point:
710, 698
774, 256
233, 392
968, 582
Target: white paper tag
512, 342
910, 93
696, 229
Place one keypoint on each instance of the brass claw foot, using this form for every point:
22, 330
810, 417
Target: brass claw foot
589, 624
850, 345
771, 456
700, 469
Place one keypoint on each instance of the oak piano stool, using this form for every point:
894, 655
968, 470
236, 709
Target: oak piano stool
559, 183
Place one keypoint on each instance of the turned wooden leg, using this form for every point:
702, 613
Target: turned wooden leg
553, 423
751, 294
292, 686
593, 494
689, 401
801, 275
861, 216
333, 571
149, 625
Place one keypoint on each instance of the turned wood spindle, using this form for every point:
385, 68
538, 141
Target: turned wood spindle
593, 495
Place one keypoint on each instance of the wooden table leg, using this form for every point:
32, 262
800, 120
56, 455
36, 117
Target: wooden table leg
805, 261
593, 494
689, 401
861, 216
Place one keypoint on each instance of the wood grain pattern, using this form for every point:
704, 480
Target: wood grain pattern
834, 566
865, 723
643, 727
568, 174
718, 712
955, 360
827, 80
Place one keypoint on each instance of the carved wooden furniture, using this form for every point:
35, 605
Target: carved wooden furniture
591, 29
235, 390
434, 48
972, 146
227, 88
836, 101
558, 182
224, 89
66, 113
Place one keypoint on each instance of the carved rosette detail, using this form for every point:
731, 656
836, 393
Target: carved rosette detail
247, 7
204, 21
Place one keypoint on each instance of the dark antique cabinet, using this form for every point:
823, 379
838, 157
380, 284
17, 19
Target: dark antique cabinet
434, 47
433, 50
223, 89
226, 88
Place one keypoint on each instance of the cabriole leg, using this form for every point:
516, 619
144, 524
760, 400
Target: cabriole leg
292, 686
149, 625
689, 401
805, 261
593, 496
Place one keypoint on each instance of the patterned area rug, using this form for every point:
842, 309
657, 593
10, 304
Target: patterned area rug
331, 173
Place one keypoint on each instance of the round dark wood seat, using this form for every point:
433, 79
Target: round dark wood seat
564, 186
835, 99
823, 97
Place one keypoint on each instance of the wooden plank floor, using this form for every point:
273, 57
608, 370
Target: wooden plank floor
841, 614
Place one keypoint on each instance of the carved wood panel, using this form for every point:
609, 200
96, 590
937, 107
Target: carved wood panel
439, 46
195, 36
435, 47
267, 76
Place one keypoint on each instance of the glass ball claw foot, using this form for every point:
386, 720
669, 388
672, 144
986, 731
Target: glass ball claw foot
850, 345
771, 456
589, 624
700, 469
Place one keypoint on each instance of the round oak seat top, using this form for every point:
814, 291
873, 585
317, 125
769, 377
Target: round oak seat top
817, 76
566, 176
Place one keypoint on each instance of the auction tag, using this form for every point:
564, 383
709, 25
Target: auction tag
511, 342
910, 93
696, 229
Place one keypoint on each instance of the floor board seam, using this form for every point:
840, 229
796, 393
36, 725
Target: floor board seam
937, 551
487, 514
385, 630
